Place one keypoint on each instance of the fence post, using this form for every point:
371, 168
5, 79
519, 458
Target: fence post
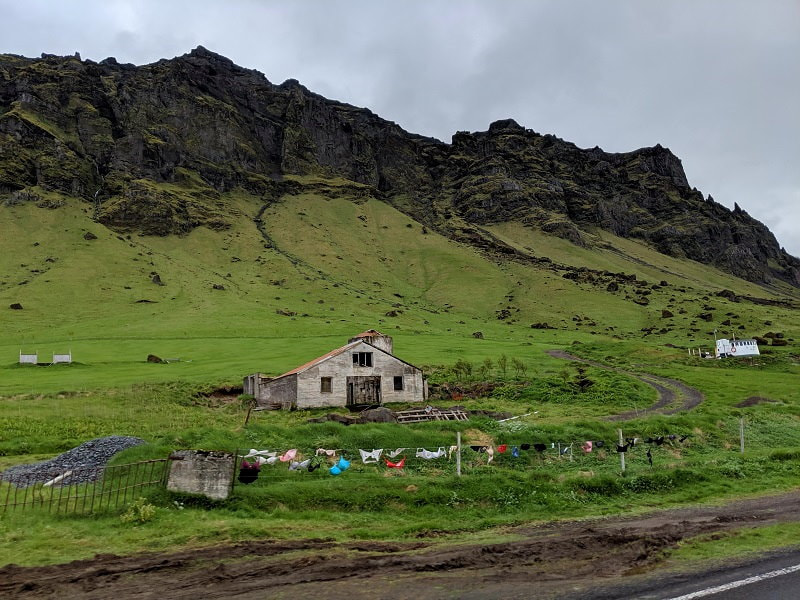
458, 453
741, 435
233, 475
621, 454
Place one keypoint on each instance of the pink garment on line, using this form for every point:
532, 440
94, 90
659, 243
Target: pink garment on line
290, 454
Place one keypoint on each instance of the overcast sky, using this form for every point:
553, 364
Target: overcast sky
718, 82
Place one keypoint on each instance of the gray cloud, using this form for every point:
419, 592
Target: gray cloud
716, 81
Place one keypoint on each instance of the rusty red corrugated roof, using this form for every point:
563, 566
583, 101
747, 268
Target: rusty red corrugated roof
319, 359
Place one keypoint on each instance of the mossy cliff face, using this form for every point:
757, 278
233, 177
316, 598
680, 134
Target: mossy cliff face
153, 146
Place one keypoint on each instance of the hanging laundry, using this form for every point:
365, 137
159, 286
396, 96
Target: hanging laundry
272, 460
566, 450
525, 446
623, 448
515, 452
289, 455
299, 465
650, 456
343, 463
478, 448
248, 472
502, 448
373, 456
321, 451
264, 453
450, 451
429, 454
672, 436
540, 447
684, 437
599, 444
648, 440
394, 453
314, 464
659, 440
586, 447
334, 470
490, 454
397, 465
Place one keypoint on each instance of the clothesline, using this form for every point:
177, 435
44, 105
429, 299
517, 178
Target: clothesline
258, 458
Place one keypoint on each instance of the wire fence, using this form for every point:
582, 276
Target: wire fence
81, 491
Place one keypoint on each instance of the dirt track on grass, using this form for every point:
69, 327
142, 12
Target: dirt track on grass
673, 395
558, 559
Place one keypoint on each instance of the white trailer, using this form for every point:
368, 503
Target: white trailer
733, 348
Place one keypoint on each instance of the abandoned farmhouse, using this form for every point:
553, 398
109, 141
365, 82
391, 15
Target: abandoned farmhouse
363, 372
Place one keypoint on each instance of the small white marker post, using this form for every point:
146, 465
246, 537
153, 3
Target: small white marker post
458, 453
621, 454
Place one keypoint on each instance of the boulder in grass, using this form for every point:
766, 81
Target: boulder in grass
380, 414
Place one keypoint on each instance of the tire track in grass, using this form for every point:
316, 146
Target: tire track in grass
670, 391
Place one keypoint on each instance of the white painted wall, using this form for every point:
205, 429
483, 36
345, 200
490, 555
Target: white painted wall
338, 368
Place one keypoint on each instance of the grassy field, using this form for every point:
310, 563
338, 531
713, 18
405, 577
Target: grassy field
331, 267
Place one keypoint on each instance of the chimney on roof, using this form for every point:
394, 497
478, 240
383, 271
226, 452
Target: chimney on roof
376, 338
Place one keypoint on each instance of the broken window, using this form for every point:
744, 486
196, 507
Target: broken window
325, 384
362, 359
398, 382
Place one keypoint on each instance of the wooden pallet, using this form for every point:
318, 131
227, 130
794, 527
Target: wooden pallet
421, 415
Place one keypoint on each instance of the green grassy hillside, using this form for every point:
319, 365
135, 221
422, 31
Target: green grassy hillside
304, 273
329, 266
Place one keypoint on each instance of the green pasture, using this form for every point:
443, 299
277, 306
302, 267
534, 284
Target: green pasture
330, 267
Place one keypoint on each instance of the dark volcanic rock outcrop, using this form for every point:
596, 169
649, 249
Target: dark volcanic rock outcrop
154, 148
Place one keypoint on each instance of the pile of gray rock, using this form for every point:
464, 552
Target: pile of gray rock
85, 463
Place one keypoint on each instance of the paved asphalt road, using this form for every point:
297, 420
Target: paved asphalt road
776, 577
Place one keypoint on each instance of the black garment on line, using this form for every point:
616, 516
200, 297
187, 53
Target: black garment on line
622, 448
525, 446
659, 440
248, 475
476, 448
599, 444
650, 457
540, 447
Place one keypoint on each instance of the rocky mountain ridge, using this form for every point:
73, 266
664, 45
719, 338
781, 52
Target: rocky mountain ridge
155, 147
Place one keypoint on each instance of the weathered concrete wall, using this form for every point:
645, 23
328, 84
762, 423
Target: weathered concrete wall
252, 384
283, 390
200, 472
384, 342
340, 367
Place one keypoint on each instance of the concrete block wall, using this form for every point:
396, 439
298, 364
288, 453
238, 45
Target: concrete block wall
201, 472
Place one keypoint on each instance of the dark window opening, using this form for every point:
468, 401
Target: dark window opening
362, 359
326, 384
398, 382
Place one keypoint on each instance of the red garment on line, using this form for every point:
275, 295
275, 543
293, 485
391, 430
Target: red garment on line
502, 448
397, 465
